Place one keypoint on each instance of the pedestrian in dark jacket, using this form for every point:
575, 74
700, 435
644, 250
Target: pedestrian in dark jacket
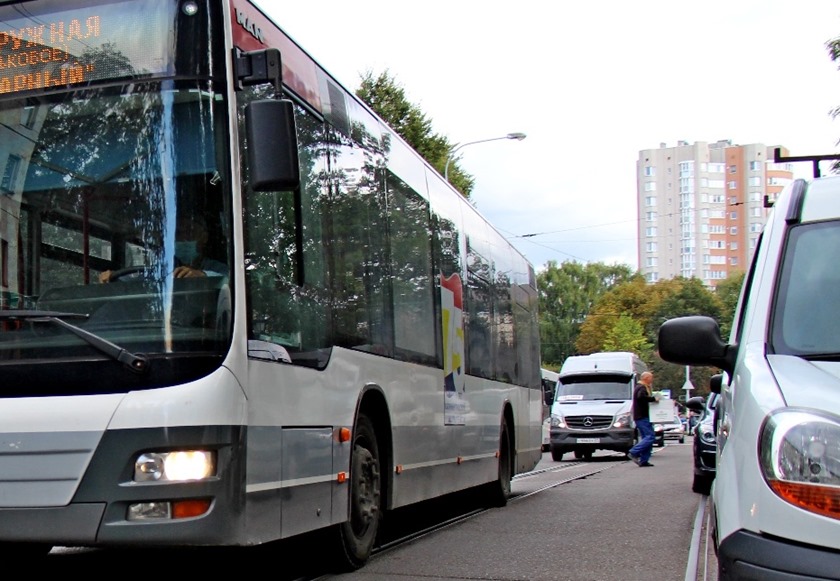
642, 397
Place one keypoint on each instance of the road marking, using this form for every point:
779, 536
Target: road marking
694, 547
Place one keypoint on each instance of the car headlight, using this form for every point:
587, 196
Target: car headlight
658, 427
557, 421
622, 420
706, 433
799, 452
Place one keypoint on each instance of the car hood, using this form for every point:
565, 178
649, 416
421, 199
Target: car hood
808, 384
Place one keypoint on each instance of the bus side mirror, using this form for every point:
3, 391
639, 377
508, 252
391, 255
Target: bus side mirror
272, 146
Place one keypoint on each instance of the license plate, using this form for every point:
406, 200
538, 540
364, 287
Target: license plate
589, 440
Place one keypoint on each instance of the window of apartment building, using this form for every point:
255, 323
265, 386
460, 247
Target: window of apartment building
733, 215
718, 198
733, 261
651, 261
716, 184
686, 169
704, 229
733, 231
650, 231
717, 244
755, 212
777, 181
650, 186
717, 229
733, 200
716, 167
650, 201
650, 216
733, 169
755, 196
718, 260
650, 247
753, 242
650, 171
733, 246
755, 227
732, 185
754, 181
652, 276
755, 165
704, 182
7, 182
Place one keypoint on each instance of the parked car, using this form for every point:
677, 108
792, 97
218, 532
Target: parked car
705, 444
674, 431
774, 501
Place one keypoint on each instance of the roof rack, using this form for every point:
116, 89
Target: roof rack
816, 159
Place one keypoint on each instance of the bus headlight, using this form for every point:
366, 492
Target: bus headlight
622, 420
177, 466
798, 453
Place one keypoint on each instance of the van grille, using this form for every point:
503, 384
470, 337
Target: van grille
589, 422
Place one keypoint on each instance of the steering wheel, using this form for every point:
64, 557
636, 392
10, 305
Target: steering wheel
130, 272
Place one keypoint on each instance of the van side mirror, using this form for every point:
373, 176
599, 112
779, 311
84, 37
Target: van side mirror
272, 145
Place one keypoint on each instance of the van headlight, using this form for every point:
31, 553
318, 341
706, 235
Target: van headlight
799, 453
557, 421
622, 420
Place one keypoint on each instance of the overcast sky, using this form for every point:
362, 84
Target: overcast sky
591, 84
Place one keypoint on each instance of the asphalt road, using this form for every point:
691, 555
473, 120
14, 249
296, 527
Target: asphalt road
603, 520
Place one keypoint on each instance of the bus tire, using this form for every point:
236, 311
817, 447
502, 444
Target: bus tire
498, 491
356, 536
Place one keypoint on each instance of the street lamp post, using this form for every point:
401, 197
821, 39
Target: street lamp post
516, 136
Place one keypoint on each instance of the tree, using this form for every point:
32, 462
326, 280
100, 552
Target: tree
387, 98
566, 294
728, 291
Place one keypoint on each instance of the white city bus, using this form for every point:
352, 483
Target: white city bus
335, 334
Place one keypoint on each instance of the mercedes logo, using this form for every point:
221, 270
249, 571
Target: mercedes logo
587, 421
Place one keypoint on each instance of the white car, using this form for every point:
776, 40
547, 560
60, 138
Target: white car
674, 431
776, 492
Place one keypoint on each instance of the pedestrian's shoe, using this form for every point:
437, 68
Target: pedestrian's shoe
633, 457
645, 464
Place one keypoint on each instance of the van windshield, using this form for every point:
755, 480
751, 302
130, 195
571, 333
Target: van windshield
597, 387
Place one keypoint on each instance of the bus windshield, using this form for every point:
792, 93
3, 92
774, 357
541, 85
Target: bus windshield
594, 387
114, 199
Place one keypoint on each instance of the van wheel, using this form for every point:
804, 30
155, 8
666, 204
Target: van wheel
578, 454
354, 538
556, 455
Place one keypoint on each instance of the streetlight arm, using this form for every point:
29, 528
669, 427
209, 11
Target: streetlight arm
516, 136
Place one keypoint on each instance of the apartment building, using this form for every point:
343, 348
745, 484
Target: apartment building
701, 207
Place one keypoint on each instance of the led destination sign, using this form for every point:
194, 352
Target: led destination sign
39, 57
72, 47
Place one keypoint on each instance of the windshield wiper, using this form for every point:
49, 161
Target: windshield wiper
137, 363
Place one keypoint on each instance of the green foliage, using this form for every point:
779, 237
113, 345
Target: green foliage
728, 292
566, 294
387, 98
627, 334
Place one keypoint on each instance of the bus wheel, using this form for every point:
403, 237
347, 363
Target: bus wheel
498, 491
356, 536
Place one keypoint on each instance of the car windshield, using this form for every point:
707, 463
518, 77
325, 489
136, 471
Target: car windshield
807, 314
594, 387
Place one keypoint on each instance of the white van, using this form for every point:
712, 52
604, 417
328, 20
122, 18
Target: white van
776, 493
593, 403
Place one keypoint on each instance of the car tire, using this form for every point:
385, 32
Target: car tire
702, 484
